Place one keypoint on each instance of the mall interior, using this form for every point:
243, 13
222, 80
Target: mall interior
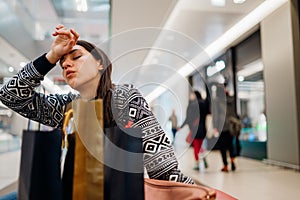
166, 49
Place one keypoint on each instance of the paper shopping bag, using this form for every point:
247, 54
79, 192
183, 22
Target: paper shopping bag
88, 177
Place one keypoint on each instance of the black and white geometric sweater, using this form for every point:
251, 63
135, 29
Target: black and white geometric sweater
19, 95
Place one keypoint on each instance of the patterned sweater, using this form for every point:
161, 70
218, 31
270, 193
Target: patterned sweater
19, 95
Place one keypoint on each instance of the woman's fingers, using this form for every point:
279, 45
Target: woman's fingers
75, 34
59, 26
64, 41
63, 31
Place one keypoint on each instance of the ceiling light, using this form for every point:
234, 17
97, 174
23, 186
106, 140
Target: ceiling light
22, 64
239, 1
251, 68
219, 66
241, 78
220, 3
81, 5
11, 69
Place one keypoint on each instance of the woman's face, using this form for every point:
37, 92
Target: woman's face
81, 69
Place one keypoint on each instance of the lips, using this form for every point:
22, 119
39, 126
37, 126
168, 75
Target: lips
70, 73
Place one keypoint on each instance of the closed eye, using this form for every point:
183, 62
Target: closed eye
75, 58
73, 53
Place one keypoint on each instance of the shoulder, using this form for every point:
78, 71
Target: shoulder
126, 91
123, 88
128, 95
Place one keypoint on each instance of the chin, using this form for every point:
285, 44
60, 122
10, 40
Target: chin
72, 85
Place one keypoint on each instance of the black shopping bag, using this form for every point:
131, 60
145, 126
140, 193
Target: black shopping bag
40, 174
123, 164
68, 169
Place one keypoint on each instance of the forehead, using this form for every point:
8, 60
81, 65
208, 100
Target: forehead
77, 47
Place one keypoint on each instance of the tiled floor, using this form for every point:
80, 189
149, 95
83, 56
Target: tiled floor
251, 180
9, 168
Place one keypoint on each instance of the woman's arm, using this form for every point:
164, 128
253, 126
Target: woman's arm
189, 114
159, 157
19, 92
19, 95
184, 122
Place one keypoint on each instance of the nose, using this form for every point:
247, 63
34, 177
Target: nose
67, 63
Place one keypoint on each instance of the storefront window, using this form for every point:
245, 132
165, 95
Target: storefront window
35, 21
251, 102
8, 141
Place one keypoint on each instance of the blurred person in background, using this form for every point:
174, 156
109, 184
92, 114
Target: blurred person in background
226, 110
173, 119
196, 113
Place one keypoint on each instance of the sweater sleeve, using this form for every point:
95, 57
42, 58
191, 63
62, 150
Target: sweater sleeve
42, 65
19, 94
159, 156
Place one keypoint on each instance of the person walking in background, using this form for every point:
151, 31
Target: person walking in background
235, 130
197, 111
192, 112
226, 110
204, 110
173, 119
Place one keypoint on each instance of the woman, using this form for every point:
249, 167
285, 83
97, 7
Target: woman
173, 119
88, 70
225, 110
200, 135
196, 113
226, 138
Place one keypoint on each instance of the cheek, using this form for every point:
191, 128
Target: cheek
63, 73
90, 68
90, 74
